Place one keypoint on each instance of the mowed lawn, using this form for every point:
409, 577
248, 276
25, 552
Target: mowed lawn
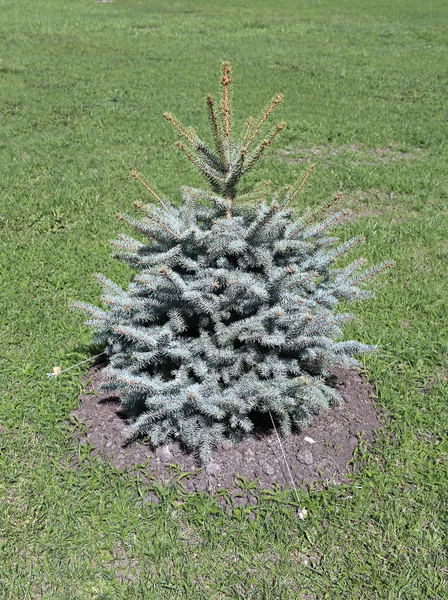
83, 86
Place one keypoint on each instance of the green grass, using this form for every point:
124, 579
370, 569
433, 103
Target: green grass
83, 88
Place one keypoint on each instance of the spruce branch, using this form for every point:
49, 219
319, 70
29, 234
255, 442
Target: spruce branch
137, 176
225, 104
183, 132
236, 171
351, 268
316, 215
213, 177
275, 102
189, 207
159, 222
141, 227
331, 221
264, 145
373, 272
346, 247
261, 222
262, 186
110, 285
216, 130
229, 207
196, 193
294, 194
124, 246
253, 196
325, 208
249, 122
174, 279
327, 320
141, 279
118, 302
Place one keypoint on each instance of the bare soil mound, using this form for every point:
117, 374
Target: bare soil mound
319, 453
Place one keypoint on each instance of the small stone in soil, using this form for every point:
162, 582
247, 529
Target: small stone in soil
305, 457
164, 453
151, 499
353, 442
201, 485
213, 469
268, 469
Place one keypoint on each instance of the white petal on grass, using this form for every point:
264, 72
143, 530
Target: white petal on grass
302, 513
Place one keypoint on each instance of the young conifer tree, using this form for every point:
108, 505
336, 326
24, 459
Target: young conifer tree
231, 311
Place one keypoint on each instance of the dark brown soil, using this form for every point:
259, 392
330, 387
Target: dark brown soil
317, 454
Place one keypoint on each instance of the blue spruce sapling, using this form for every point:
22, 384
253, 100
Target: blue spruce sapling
231, 311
